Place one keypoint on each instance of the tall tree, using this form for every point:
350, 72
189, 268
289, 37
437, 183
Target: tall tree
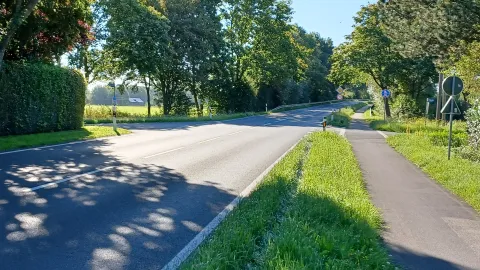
53, 28
138, 44
431, 28
13, 15
368, 51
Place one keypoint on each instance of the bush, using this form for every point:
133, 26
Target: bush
40, 98
440, 138
473, 126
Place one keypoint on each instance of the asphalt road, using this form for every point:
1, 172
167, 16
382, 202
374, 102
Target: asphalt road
133, 202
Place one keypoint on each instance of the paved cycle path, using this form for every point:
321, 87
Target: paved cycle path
426, 227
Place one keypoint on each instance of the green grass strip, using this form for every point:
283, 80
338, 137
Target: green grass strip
41, 139
343, 117
325, 221
331, 223
458, 175
234, 242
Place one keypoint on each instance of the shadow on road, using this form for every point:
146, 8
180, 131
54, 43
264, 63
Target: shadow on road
132, 216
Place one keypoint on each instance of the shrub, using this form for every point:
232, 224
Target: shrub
473, 126
440, 138
40, 98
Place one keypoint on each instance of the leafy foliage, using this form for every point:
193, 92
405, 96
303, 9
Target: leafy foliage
473, 126
52, 29
45, 98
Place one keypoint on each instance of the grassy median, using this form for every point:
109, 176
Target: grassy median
41, 139
311, 212
460, 176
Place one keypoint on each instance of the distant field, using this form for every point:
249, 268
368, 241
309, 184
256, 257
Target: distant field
103, 111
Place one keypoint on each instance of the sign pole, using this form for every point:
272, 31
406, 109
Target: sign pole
114, 110
451, 118
426, 111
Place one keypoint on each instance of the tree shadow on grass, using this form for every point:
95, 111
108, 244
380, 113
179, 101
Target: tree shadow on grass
132, 215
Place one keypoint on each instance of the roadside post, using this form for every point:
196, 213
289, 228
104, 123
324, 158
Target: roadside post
324, 124
452, 86
332, 116
114, 107
427, 108
266, 107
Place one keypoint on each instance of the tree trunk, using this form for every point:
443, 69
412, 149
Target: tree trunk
147, 88
197, 105
17, 19
387, 108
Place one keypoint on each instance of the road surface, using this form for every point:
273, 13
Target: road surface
133, 202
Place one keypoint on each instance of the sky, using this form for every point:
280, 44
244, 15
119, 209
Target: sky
330, 18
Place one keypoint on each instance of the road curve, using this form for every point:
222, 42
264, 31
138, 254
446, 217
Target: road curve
133, 202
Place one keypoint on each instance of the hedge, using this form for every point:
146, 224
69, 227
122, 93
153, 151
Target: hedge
38, 97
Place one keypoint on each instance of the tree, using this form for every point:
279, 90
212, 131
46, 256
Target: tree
87, 55
13, 15
49, 29
138, 44
367, 53
468, 68
430, 28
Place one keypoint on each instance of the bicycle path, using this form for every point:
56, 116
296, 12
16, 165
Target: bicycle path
426, 227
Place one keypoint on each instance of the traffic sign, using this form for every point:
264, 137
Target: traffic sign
386, 93
339, 97
340, 90
452, 85
448, 107
431, 100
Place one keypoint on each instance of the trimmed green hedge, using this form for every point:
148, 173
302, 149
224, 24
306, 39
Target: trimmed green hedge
40, 98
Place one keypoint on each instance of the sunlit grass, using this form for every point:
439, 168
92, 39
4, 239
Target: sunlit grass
321, 220
40, 139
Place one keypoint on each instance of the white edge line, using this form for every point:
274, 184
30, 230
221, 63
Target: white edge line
165, 152
63, 144
69, 178
202, 235
383, 134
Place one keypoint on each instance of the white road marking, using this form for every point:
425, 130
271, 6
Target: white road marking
70, 178
165, 152
342, 132
383, 134
201, 236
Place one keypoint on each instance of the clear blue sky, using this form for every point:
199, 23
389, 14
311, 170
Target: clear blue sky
330, 18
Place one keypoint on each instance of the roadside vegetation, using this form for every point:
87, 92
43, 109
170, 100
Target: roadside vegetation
311, 212
41, 139
343, 117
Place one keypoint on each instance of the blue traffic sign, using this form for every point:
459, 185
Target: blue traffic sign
386, 93
431, 100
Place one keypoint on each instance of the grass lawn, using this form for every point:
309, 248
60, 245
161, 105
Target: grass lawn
311, 212
343, 117
41, 139
218, 117
458, 175
411, 125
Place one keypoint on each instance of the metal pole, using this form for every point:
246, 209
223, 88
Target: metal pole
426, 112
385, 109
451, 118
266, 107
438, 115
114, 110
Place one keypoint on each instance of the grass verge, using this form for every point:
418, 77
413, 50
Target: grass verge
41, 139
320, 218
155, 119
458, 175
413, 125
343, 117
